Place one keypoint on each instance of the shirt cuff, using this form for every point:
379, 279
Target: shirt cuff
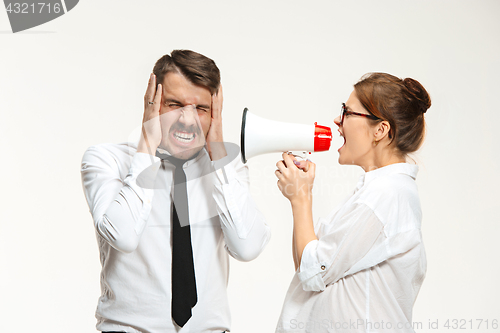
311, 270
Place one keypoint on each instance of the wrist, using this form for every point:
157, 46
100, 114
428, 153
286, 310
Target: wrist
216, 150
143, 147
301, 202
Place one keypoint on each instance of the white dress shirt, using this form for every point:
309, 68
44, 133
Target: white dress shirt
364, 272
130, 198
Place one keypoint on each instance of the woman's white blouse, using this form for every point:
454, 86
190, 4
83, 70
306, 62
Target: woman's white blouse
364, 272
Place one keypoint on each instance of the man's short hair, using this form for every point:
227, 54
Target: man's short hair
195, 67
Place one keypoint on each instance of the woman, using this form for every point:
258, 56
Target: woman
360, 268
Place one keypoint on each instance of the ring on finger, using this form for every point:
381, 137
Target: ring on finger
150, 103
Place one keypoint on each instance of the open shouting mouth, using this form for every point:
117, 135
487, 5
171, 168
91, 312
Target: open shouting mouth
342, 136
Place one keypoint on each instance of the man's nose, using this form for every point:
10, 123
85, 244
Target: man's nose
188, 115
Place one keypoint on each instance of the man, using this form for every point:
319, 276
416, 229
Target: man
168, 211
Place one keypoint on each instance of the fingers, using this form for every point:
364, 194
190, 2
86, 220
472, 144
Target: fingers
288, 159
301, 164
152, 99
280, 187
150, 91
311, 168
217, 100
219, 93
157, 99
308, 166
304, 165
281, 167
279, 173
285, 171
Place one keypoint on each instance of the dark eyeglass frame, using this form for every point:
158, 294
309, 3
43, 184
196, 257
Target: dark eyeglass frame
344, 112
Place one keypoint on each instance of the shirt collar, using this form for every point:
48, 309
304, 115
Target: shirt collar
403, 168
201, 154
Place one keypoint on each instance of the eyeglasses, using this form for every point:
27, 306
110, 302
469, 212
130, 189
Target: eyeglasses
344, 112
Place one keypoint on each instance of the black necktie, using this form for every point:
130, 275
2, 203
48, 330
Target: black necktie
184, 296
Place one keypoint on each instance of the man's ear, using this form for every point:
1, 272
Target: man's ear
382, 130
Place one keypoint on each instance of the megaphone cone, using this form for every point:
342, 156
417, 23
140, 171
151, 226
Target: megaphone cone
262, 136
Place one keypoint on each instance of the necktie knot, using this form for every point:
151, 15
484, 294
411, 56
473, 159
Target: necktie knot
179, 174
177, 162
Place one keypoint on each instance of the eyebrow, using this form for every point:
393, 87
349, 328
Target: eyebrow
171, 100
348, 108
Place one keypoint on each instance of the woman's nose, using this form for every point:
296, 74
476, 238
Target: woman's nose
337, 121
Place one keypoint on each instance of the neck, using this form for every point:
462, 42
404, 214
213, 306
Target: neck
382, 157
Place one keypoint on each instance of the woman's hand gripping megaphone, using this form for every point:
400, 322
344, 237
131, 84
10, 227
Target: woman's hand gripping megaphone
300, 159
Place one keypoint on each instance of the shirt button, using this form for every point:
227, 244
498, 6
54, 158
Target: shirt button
323, 267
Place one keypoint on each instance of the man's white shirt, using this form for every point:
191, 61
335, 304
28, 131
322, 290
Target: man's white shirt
130, 199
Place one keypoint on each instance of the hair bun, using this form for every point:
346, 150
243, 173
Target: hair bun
418, 94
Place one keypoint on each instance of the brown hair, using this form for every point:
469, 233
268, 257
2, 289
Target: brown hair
195, 67
400, 102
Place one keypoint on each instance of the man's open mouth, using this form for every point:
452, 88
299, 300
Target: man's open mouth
184, 137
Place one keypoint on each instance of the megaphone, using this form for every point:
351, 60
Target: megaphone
262, 136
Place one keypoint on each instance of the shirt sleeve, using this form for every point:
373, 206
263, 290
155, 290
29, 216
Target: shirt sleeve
328, 259
119, 206
246, 232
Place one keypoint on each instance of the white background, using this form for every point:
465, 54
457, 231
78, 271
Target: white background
80, 79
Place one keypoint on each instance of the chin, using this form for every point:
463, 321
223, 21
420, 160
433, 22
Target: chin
346, 161
185, 154
342, 160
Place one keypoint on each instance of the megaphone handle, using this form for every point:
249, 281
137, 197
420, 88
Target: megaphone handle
302, 155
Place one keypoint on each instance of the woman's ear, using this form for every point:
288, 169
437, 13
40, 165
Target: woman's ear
382, 130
